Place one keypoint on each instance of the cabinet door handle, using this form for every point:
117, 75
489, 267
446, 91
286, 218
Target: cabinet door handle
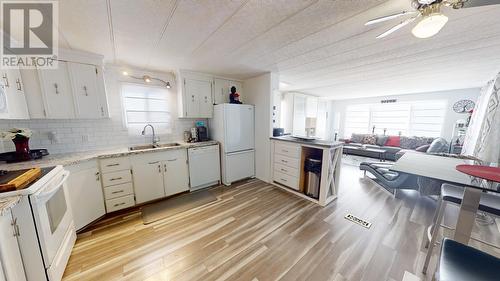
16, 227
85, 90
284, 150
192, 98
284, 180
118, 191
112, 165
102, 111
172, 160
98, 176
155, 162
119, 204
283, 170
159, 168
284, 161
19, 85
115, 179
165, 167
57, 88
6, 80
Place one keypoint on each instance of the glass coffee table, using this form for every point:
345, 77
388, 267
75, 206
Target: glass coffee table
348, 149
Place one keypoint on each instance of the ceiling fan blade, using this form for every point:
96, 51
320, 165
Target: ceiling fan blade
478, 3
396, 27
390, 17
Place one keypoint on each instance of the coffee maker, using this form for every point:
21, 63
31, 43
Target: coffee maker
202, 133
199, 132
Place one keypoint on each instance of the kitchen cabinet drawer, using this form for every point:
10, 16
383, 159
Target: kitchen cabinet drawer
287, 161
115, 178
294, 172
284, 179
288, 150
120, 203
115, 191
115, 164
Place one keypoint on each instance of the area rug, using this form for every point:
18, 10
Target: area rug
176, 205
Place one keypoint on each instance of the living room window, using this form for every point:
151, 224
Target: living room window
418, 118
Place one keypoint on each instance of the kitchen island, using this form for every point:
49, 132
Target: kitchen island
288, 167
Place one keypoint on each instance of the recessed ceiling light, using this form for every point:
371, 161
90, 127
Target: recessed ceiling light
125, 73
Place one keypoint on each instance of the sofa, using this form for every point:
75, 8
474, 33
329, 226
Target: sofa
395, 146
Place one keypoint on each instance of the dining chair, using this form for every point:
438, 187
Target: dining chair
459, 262
489, 203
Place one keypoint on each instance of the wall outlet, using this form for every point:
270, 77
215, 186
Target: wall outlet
85, 138
53, 137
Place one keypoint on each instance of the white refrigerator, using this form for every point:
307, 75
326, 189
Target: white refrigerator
233, 126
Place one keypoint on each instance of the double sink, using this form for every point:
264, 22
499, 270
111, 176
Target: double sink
151, 146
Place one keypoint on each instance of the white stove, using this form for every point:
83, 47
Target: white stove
46, 226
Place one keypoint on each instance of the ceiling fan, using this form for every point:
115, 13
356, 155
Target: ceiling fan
428, 12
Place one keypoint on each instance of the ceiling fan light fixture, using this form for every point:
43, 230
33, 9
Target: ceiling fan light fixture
430, 25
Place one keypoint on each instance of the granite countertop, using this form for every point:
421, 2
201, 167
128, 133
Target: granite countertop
7, 203
323, 143
79, 157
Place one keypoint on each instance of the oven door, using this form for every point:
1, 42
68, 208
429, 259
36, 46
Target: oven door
53, 216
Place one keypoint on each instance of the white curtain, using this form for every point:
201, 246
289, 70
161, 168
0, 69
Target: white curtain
483, 135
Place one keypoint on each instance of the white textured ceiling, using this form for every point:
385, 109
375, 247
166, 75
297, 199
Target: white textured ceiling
318, 46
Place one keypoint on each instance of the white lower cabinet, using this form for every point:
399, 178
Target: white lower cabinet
117, 183
176, 173
160, 174
10, 255
85, 193
148, 177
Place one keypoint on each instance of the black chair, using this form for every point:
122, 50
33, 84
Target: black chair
489, 203
459, 262
390, 180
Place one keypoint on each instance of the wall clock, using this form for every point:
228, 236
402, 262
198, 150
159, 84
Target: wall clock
463, 106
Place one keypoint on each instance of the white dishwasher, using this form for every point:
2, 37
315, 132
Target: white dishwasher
204, 166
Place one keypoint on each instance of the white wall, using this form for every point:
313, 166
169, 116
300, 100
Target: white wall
452, 96
86, 135
259, 92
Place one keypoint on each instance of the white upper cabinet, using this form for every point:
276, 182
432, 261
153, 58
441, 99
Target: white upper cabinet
57, 92
13, 100
75, 89
221, 91
195, 96
199, 92
85, 91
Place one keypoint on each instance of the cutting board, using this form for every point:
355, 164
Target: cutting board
15, 180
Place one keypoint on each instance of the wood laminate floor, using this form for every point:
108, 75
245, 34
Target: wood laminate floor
255, 231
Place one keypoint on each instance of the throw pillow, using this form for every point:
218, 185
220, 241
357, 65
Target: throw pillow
438, 145
381, 139
423, 148
408, 142
423, 141
393, 141
357, 138
369, 139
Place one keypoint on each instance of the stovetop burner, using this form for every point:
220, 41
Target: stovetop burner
13, 157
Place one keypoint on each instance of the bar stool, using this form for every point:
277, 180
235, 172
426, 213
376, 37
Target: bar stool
459, 262
489, 203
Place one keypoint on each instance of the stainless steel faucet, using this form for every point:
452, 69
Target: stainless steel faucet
155, 139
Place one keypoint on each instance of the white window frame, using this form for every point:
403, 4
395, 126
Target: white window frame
124, 109
410, 127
